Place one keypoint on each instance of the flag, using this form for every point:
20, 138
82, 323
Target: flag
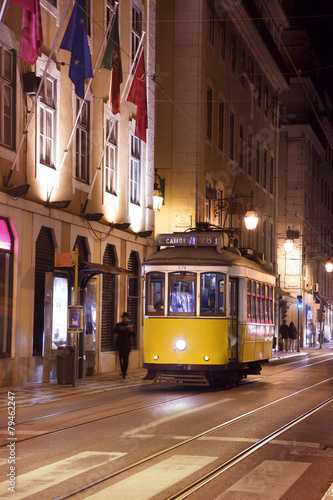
75, 41
32, 35
137, 95
112, 61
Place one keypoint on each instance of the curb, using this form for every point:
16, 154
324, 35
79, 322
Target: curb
288, 356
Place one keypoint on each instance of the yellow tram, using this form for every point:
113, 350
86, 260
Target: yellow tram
209, 310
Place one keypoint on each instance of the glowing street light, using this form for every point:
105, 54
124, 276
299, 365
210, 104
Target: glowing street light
329, 266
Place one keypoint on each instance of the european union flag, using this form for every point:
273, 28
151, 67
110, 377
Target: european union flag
75, 40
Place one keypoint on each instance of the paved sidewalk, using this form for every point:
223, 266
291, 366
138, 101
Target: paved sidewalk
36, 393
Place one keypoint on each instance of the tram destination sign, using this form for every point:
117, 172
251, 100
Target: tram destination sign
188, 240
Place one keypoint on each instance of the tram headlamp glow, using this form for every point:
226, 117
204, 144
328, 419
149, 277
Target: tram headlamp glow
206, 358
156, 357
181, 345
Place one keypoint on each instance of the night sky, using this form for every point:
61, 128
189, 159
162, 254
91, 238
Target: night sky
317, 17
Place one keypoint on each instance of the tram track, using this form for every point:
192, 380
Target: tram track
125, 412
128, 411
223, 466
199, 483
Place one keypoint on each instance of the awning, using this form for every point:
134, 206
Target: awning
102, 269
324, 301
88, 270
279, 292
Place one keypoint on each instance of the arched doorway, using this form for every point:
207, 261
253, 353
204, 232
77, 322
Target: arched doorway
108, 301
81, 243
43, 263
133, 265
86, 340
6, 286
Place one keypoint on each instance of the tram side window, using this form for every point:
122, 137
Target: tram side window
212, 293
155, 293
248, 302
259, 299
182, 293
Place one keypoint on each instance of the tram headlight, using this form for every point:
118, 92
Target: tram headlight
156, 357
181, 345
206, 358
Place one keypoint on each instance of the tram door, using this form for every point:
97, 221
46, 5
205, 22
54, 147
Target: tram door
233, 320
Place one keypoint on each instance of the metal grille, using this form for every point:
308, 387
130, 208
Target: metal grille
43, 264
108, 302
133, 295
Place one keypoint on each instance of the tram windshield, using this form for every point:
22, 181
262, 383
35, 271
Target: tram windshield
212, 293
155, 293
182, 293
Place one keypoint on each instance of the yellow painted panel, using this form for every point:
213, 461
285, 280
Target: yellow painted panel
204, 337
255, 342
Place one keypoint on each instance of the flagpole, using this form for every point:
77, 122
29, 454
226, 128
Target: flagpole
3, 13
85, 96
6, 181
113, 122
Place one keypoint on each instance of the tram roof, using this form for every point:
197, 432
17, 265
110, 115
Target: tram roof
203, 257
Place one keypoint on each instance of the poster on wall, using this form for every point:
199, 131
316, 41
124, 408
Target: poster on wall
59, 312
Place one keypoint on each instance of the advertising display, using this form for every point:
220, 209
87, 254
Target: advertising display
59, 311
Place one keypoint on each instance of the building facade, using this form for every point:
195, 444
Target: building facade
305, 202
67, 184
219, 78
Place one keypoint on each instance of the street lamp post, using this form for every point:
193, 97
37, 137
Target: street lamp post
299, 307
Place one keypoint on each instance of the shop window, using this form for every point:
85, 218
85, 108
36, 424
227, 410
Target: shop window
182, 293
6, 286
155, 294
212, 294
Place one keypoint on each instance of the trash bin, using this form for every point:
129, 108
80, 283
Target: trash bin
65, 366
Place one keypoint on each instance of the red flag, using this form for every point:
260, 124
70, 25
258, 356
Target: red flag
32, 36
137, 95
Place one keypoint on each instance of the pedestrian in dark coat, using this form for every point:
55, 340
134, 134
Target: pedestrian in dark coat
292, 334
123, 342
284, 330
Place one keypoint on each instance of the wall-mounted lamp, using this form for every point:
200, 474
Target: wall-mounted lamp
120, 225
289, 242
159, 188
329, 266
18, 191
251, 218
144, 234
93, 217
58, 204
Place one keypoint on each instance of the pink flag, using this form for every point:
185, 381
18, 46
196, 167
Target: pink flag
32, 36
137, 95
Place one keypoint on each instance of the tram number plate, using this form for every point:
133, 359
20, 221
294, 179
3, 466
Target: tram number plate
186, 239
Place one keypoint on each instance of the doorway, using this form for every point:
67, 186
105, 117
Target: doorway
233, 320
